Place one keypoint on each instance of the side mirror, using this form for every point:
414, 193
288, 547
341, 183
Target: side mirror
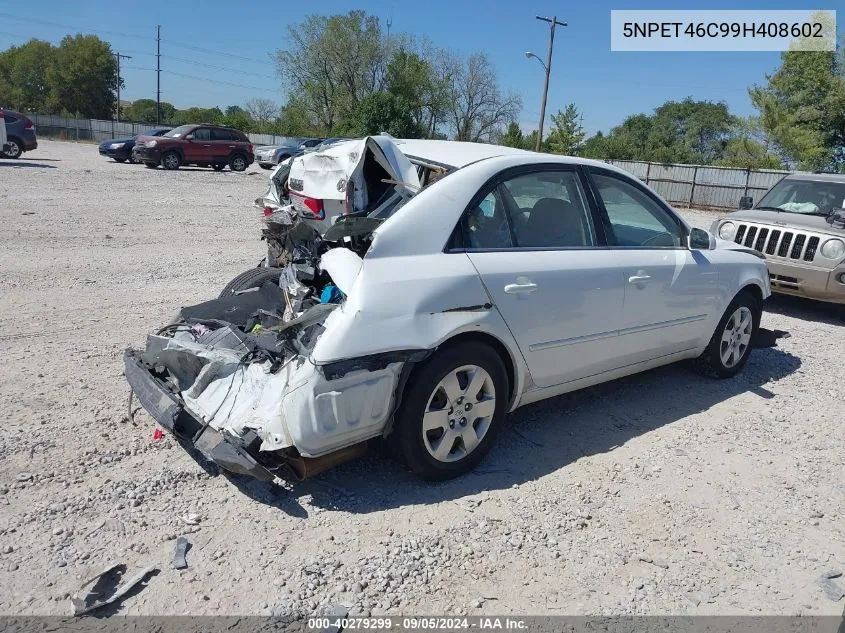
701, 240
746, 202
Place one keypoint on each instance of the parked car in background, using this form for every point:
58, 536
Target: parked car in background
20, 134
515, 277
799, 225
268, 156
196, 144
120, 149
3, 146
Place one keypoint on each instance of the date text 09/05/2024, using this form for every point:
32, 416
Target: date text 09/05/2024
429, 623
722, 29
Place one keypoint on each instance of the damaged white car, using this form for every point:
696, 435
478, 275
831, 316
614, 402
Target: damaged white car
455, 283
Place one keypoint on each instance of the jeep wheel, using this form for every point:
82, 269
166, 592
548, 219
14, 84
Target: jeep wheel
451, 411
171, 160
238, 163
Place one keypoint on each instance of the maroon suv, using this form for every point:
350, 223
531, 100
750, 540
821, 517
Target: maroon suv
202, 145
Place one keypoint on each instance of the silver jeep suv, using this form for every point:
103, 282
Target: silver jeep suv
799, 225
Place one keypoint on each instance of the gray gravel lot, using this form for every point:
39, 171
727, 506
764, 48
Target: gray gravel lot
663, 493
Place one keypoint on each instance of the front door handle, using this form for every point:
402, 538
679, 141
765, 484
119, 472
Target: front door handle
639, 278
519, 289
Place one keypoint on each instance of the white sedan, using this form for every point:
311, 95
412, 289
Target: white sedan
511, 278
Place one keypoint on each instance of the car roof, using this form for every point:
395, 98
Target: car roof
452, 153
817, 177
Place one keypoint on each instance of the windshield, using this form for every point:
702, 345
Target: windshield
808, 197
179, 131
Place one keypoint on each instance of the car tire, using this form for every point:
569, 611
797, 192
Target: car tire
15, 148
252, 278
434, 431
119, 160
131, 159
218, 166
238, 162
730, 346
151, 165
171, 161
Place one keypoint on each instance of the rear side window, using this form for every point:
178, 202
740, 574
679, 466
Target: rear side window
201, 134
222, 135
10, 119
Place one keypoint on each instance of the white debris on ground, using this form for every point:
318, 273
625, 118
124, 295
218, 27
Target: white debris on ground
662, 493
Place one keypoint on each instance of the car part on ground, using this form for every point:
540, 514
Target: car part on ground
795, 227
429, 323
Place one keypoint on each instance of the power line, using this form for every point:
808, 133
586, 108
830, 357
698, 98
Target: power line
213, 67
211, 51
73, 28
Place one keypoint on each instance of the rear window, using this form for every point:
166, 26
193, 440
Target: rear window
10, 119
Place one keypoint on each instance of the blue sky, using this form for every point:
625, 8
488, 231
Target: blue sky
606, 86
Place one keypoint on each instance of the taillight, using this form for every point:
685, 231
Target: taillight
268, 211
315, 205
27, 125
251, 148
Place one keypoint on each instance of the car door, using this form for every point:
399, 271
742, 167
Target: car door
222, 143
198, 148
532, 237
670, 290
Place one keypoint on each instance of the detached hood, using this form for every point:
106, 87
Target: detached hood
324, 174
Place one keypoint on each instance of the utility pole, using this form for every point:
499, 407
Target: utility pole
118, 56
158, 74
552, 24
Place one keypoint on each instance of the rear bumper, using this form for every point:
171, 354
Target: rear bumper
205, 444
806, 281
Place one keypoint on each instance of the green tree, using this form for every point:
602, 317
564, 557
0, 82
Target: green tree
567, 134
294, 120
83, 78
263, 112
144, 111
690, 131
23, 75
417, 81
802, 108
198, 115
238, 118
513, 137
333, 63
384, 112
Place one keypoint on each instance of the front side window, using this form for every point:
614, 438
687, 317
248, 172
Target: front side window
201, 134
636, 219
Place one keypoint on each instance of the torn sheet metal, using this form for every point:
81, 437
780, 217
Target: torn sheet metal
103, 589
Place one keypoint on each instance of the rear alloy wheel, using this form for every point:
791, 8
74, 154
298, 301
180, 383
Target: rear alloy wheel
238, 163
14, 150
218, 166
451, 411
730, 345
171, 160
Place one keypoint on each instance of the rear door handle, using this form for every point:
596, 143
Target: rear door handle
520, 289
639, 278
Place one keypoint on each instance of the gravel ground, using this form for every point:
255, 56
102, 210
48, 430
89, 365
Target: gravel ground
662, 493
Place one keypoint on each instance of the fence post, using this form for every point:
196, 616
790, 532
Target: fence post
747, 180
692, 189
647, 172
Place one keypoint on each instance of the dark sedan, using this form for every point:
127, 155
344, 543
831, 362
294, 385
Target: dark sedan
120, 149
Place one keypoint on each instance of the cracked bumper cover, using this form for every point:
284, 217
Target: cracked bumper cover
202, 442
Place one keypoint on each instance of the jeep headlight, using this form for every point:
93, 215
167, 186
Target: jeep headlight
150, 144
116, 145
833, 249
727, 230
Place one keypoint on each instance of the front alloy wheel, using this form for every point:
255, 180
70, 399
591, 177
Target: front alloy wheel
459, 413
14, 149
736, 337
